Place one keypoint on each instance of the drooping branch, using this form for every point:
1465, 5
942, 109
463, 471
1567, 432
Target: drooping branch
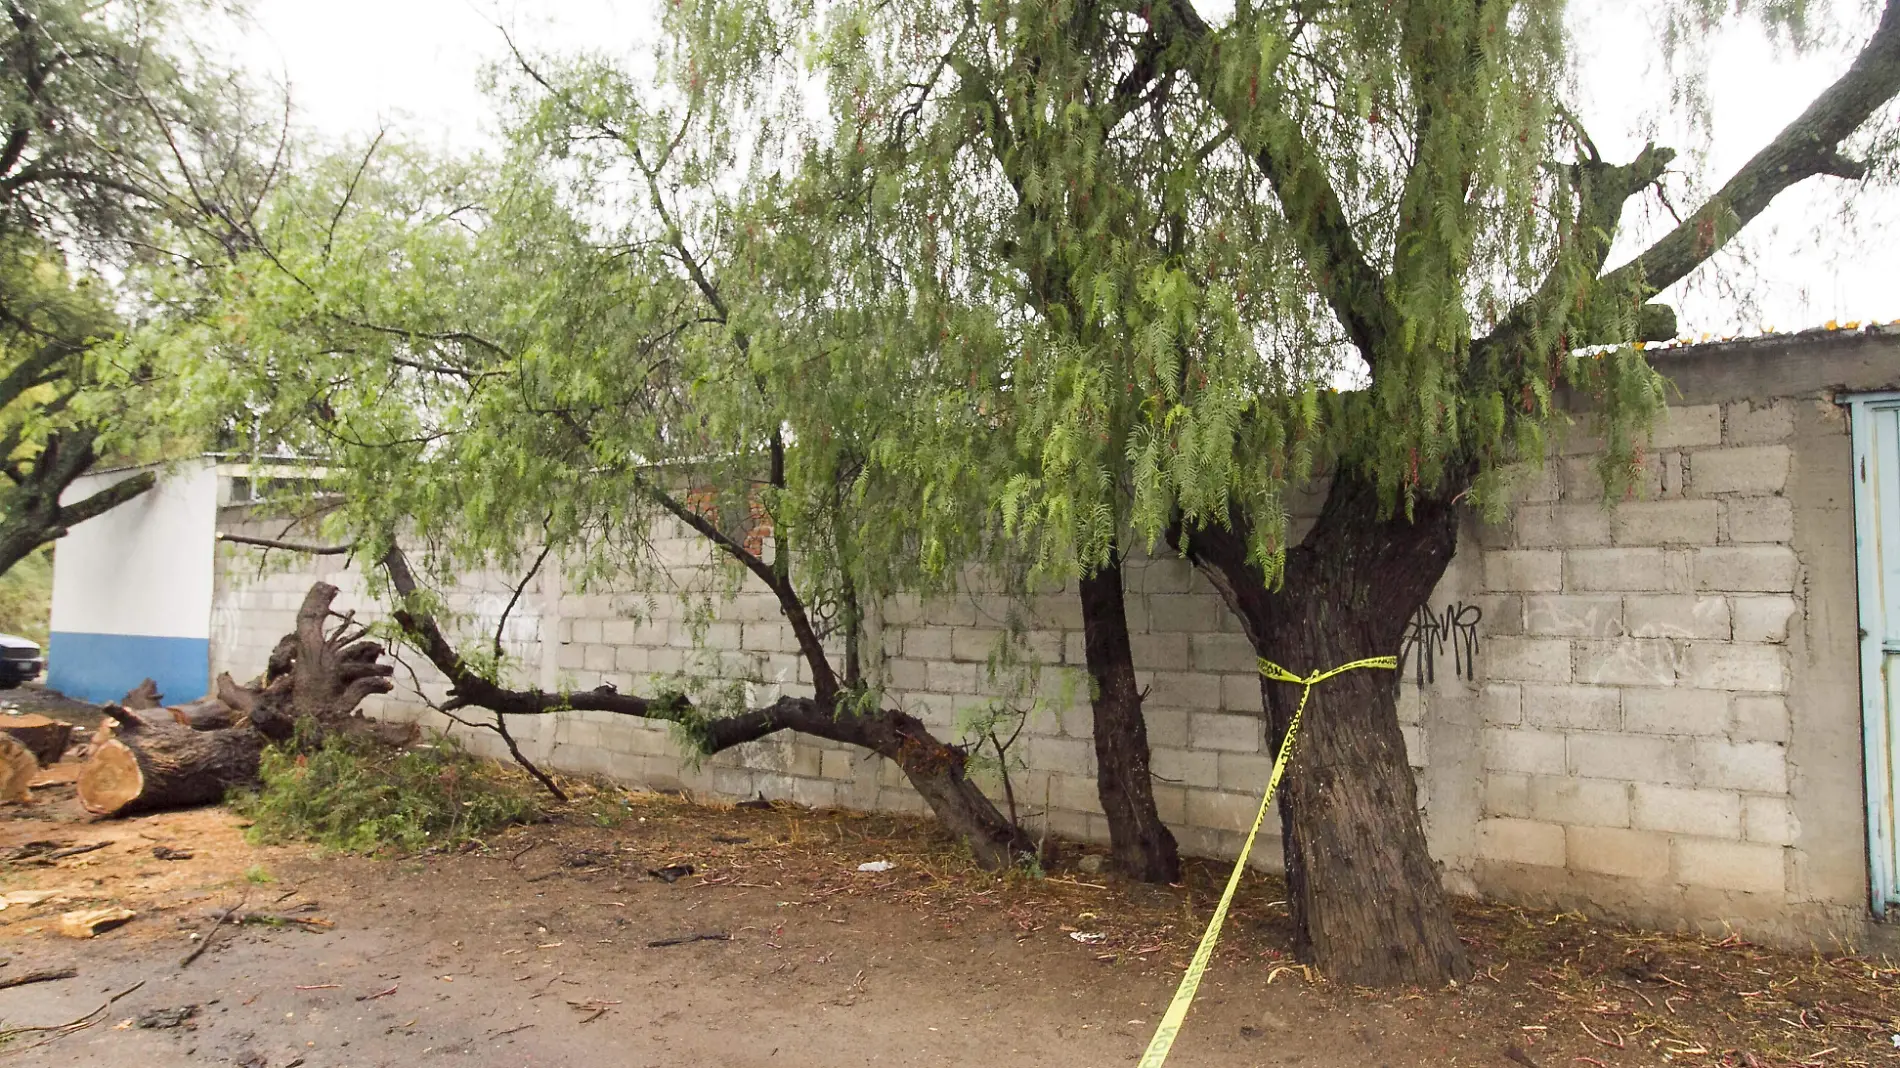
289, 546
1273, 137
1806, 147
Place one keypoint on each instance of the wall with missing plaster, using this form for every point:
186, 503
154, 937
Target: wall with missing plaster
1649, 711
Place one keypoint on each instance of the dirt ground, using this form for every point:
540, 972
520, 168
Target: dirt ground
537, 948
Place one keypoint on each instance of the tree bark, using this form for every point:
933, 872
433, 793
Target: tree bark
45, 738
319, 676
152, 765
1142, 846
1366, 901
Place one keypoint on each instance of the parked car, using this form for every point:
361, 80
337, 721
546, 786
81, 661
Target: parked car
20, 661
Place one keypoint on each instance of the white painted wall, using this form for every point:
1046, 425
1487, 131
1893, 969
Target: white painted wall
145, 567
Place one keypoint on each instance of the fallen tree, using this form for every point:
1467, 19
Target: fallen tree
154, 758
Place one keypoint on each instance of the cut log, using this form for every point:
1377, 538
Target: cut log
204, 714
151, 766
45, 738
17, 768
86, 923
144, 695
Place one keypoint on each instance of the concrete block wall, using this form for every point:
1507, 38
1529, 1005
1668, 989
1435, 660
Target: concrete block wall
1661, 724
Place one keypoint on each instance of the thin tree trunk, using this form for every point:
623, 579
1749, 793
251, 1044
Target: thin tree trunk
1365, 897
1142, 845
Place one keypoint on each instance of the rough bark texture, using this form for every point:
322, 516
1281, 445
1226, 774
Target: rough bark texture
149, 766
205, 714
1142, 846
1365, 897
144, 695
17, 768
45, 738
320, 676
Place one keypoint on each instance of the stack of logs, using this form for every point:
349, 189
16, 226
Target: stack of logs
147, 756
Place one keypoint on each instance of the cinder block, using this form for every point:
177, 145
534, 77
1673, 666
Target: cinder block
587, 631
1724, 666
1530, 570
1627, 662
1572, 707
950, 677
1759, 422
1753, 471
1165, 575
1763, 619
973, 644
1245, 772
598, 658
1507, 794
1748, 866
1770, 820
1746, 568
1676, 711
1615, 851
1761, 718
1569, 615
1193, 612
1710, 813
1587, 802
1166, 726
929, 643
1075, 793
1527, 659
1679, 522
1182, 689
1067, 756
1516, 841
1166, 651
1221, 811
905, 674
1758, 519
1501, 704
1529, 752
1234, 734
1543, 526
1241, 693
1676, 616
1186, 767
1626, 570
1222, 652
1757, 767
1629, 756
1696, 424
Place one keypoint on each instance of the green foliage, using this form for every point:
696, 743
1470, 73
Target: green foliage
356, 796
26, 597
258, 875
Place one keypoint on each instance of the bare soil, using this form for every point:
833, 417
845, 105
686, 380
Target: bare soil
536, 948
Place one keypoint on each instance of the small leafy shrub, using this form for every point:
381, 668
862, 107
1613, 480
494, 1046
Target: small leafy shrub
356, 796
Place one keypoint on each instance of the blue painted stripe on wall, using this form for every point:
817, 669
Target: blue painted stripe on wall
101, 667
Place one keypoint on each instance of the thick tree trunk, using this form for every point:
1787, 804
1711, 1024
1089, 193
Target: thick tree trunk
318, 676
45, 738
1142, 845
1366, 901
150, 765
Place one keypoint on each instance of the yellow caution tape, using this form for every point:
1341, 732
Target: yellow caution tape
1171, 1020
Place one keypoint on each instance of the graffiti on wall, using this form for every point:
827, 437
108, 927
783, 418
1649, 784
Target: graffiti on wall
1430, 633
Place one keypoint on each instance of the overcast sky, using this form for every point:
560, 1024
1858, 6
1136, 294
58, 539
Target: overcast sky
353, 65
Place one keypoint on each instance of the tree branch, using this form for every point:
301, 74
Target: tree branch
105, 500
1808, 146
289, 546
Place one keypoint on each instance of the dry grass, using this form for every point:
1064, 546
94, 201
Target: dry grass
1579, 991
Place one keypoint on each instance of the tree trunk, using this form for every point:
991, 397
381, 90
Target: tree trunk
45, 738
159, 764
149, 766
1142, 845
317, 676
1365, 897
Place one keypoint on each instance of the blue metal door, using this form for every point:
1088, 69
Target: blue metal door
1876, 421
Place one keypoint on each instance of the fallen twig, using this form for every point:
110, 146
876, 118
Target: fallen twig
708, 936
512, 1030
37, 977
378, 994
70, 1027
71, 851
204, 940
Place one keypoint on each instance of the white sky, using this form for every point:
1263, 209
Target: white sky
354, 65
